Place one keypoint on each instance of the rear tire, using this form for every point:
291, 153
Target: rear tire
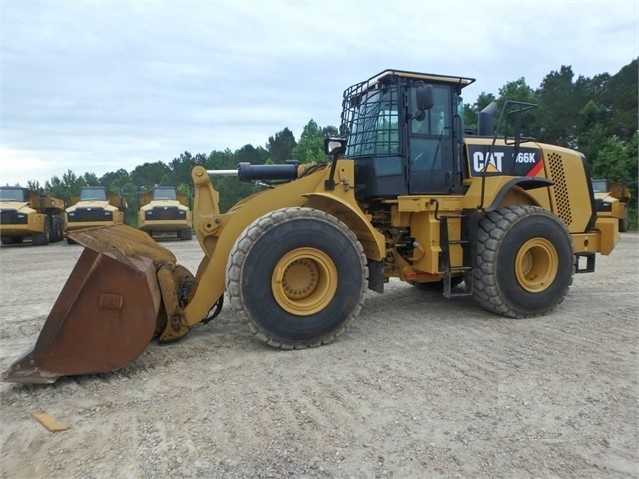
57, 232
297, 277
525, 262
623, 222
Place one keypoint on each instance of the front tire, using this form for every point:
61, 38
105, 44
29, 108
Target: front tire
297, 277
42, 239
525, 262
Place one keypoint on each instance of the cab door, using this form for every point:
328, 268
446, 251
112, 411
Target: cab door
430, 145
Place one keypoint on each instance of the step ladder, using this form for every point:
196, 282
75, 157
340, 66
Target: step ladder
468, 242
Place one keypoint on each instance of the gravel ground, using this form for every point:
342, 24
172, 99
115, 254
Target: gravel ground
420, 386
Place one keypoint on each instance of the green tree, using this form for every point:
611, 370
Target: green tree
617, 161
33, 185
166, 180
518, 90
55, 188
221, 160
149, 174
120, 182
65, 188
559, 108
619, 97
280, 146
187, 191
181, 167
91, 179
114, 180
232, 190
252, 155
471, 112
128, 193
592, 133
310, 148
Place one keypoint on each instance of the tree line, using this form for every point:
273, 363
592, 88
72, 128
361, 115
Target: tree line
597, 116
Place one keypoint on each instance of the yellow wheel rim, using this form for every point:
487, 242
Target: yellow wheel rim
304, 281
536, 265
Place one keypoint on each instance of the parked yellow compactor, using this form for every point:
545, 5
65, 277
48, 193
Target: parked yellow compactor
407, 194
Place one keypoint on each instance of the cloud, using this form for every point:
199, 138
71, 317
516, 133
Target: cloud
98, 86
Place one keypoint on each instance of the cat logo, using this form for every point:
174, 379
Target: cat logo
505, 160
490, 163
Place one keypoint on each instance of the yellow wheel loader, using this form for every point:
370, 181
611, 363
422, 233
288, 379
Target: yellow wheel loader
407, 194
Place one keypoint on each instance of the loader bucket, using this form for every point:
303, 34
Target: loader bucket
106, 314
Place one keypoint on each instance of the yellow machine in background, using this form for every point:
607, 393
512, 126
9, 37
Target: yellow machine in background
27, 213
407, 194
94, 206
165, 210
613, 201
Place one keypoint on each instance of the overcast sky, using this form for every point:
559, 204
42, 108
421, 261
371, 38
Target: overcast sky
99, 86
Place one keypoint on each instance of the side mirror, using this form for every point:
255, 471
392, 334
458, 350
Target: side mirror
334, 146
424, 97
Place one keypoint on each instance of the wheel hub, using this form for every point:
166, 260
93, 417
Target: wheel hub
300, 278
536, 265
304, 281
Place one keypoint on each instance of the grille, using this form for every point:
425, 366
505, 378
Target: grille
562, 199
601, 205
168, 213
11, 217
90, 214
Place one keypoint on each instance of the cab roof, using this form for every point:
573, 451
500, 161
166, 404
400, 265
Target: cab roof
457, 80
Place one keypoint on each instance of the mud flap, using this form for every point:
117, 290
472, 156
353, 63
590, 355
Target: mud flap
109, 309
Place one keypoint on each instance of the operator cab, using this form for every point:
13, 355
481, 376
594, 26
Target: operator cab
404, 132
164, 193
14, 193
93, 193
